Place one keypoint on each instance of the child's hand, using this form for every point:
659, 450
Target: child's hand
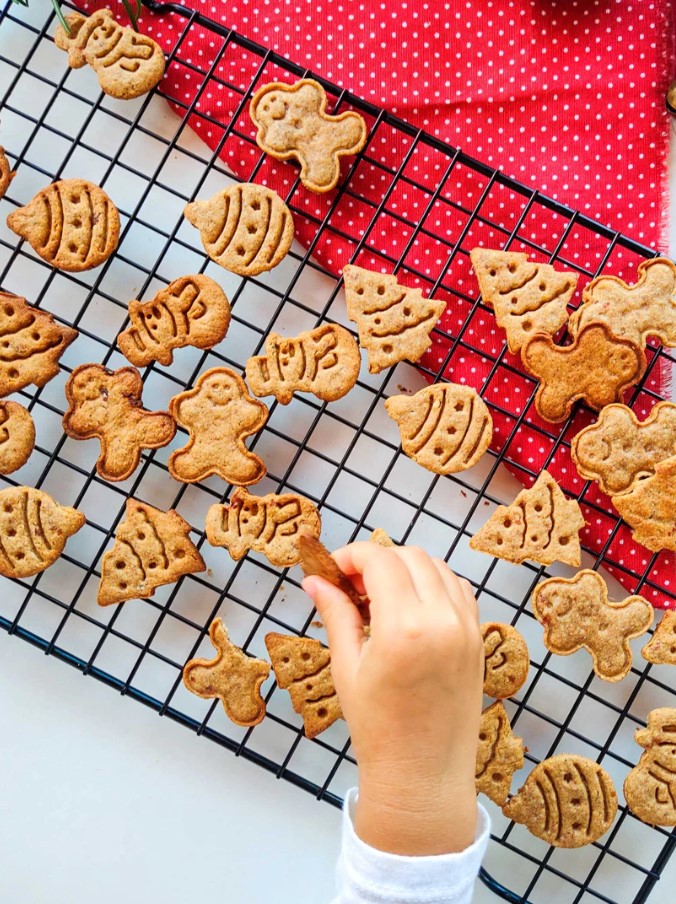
411, 694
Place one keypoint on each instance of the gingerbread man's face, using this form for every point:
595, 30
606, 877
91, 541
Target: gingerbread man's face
289, 118
220, 390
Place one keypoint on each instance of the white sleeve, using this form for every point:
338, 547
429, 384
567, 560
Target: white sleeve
368, 876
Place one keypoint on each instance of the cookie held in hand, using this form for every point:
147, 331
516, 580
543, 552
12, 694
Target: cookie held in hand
567, 801
527, 297
394, 322
576, 613
324, 361
618, 450
499, 755
127, 64
268, 524
315, 559
650, 508
292, 122
636, 312
541, 524
232, 676
192, 310
17, 436
219, 414
72, 224
106, 405
596, 368
33, 531
446, 427
246, 228
506, 660
650, 787
32, 344
303, 667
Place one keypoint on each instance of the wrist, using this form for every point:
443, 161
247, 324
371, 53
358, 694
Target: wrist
428, 815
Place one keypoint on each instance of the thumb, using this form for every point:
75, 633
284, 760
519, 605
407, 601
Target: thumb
344, 624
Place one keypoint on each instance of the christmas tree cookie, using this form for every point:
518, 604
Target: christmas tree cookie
393, 321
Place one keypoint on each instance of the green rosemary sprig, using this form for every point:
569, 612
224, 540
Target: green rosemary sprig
133, 8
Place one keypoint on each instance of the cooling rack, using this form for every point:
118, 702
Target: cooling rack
344, 456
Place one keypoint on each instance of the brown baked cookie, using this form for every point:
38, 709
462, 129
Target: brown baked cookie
527, 298
267, 524
315, 559
31, 344
6, 174
506, 660
293, 123
324, 361
72, 224
17, 436
303, 667
661, 648
650, 787
192, 310
650, 508
647, 308
218, 414
245, 228
394, 322
446, 427
33, 530
380, 537
127, 64
596, 368
619, 449
499, 755
567, 800
232, 676
576, 613
106, 405
541, 524
151, 548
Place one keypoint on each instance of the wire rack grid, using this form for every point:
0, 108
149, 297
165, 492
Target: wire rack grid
345, 456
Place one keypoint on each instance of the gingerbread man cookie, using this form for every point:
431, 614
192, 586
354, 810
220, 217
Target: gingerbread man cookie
324, 361
127, 64
192, 310
292, 122
619, 449
219, 414
647, 308
576, 613
597, 368
106, 405
232, 676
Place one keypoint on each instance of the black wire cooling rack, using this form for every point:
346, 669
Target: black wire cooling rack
345, 457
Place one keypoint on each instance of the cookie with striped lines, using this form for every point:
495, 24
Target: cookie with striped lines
33, 530
445, 427
245, 228
72, 224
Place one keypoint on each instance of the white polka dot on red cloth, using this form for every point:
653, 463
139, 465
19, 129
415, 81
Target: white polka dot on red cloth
556, 96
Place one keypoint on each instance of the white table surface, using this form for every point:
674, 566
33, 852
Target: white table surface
100, 800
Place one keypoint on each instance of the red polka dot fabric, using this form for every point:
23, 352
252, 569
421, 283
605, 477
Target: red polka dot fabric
565, 97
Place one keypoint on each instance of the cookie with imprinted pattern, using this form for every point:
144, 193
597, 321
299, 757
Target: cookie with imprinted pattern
17, 436
661, 648
506, 660
446, 427
541, 524
499, 755
245, 228
650, 508
650, 787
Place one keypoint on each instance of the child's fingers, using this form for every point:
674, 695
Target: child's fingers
344, 625
460, 592
387, 581
425, 576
